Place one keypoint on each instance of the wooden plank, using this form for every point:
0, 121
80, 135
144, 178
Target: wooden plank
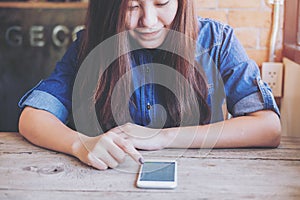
145, 195
27, 171
14, 143
11, 142
239, 178
290, 139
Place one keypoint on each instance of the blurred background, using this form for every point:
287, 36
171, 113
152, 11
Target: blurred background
34, 34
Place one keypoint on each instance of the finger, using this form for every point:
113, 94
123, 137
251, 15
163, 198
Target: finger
123, 135
117, 153
113, 149
108, 160
96, 162
127, 146
123, 130
119, 129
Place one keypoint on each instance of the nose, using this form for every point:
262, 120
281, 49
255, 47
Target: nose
149, 17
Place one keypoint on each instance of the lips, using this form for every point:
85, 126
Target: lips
148, 34
149, 37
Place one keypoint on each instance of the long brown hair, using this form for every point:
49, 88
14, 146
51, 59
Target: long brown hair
106, 19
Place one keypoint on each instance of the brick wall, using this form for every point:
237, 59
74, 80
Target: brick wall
251, 20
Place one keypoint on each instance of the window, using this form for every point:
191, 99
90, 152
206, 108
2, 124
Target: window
291, 39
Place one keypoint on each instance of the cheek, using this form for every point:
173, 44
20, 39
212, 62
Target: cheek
171, 14
169, 19
131, 21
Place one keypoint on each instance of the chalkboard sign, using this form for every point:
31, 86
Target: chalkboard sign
33, 37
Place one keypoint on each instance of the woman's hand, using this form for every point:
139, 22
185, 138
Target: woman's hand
144, 138
106, 150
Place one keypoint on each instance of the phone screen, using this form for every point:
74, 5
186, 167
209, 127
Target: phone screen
158, 171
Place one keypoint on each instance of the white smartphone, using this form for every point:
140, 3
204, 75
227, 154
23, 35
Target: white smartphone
158, 174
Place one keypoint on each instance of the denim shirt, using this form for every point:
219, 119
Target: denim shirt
233, 80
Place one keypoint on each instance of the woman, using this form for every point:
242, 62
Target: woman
151, 30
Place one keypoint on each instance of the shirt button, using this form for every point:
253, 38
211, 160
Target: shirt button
147, 69
261, 82
148, 106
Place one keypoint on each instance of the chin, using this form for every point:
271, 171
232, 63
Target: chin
149, 45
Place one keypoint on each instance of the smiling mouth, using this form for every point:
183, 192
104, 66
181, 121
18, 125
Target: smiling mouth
148, 34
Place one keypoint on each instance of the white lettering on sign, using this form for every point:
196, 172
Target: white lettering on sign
60, 29
60, 36
36, 34
13, 36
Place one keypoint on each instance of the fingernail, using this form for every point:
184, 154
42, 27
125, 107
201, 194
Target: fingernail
141, 160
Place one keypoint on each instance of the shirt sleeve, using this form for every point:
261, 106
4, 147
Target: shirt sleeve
54, 94
44, 101
245, 91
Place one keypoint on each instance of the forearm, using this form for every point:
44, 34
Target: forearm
261, 129
45, 130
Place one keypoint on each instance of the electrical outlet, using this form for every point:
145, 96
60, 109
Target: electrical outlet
272, 74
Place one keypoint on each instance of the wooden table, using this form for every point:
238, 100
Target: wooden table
30, 172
